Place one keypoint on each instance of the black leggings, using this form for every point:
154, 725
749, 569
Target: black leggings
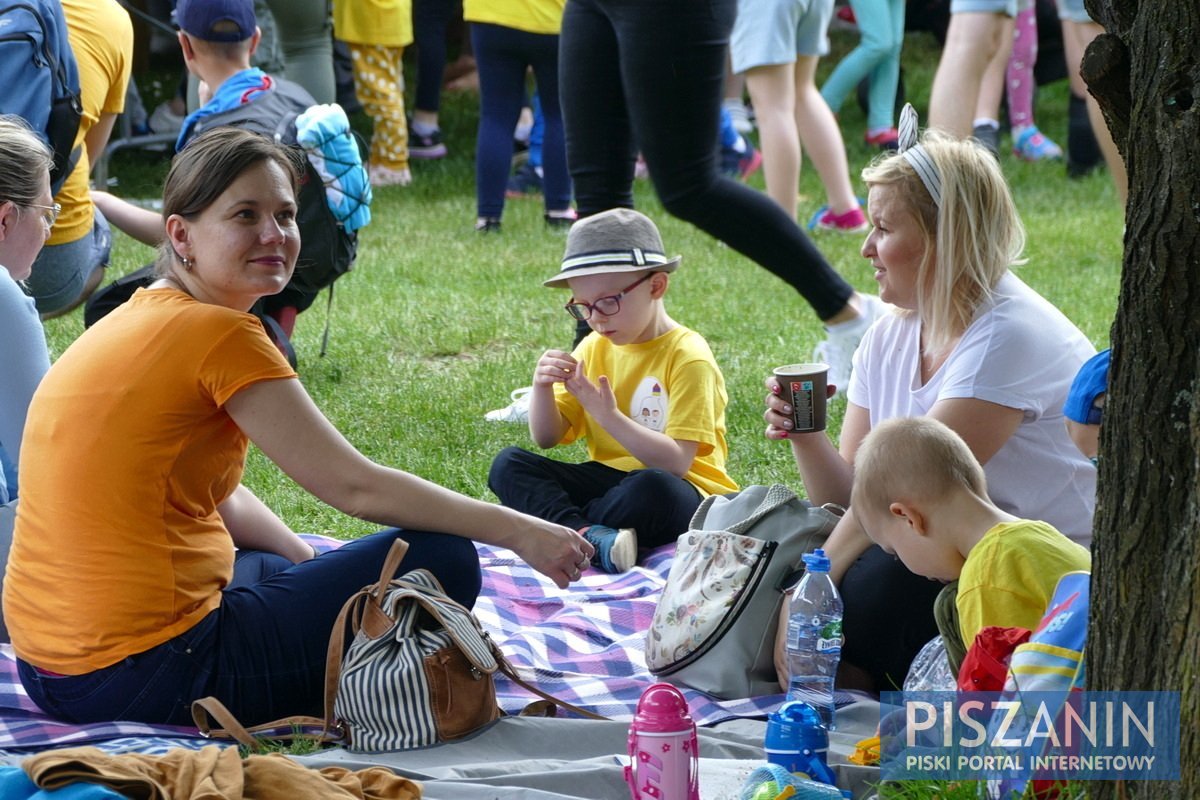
649, 75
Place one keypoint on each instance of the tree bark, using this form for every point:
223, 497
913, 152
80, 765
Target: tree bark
1144, 626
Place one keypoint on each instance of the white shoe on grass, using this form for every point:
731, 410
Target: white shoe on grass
842, 340
516, 411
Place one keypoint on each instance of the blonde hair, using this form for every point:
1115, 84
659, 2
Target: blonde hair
971, 239
913, 459
25, 162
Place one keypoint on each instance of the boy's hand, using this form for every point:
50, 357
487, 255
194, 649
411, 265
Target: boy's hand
596, 399
553, 367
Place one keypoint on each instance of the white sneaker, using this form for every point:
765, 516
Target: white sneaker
516, 411
842, 340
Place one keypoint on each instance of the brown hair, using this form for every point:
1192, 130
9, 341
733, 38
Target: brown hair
205, 168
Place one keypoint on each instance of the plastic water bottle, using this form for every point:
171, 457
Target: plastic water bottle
664, 754
814, 637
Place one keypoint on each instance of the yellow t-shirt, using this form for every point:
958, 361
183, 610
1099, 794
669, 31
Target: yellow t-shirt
380, 22
670, 384
531, 16
126, 455
1010, 575
102, 37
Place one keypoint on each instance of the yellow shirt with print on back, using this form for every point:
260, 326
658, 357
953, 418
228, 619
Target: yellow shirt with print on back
670, 384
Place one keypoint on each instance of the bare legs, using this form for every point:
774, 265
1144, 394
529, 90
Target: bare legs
1076, 37
790, 112
972, 40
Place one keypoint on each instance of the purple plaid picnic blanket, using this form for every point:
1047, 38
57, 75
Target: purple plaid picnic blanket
583, 644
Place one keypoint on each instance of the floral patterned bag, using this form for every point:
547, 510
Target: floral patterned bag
714, 626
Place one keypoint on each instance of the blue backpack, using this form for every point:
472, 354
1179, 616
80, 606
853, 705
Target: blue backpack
41, 79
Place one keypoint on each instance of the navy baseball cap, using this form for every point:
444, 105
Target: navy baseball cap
217, 20
1090, 382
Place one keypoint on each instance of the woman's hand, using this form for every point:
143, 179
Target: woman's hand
779, 412
556, 551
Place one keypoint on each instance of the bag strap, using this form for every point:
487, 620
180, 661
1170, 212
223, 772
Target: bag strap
207, 707
508, 670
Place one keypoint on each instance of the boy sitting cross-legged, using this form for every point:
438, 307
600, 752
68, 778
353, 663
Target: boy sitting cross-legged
643, 390
920, 494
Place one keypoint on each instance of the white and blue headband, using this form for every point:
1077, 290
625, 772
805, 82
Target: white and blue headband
917, 156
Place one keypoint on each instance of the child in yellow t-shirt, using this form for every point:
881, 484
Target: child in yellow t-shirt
920, 494
644, 391
377, 31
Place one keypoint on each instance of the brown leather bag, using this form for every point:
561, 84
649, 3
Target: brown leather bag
418, 671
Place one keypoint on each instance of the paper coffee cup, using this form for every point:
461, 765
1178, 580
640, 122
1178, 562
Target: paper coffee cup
804, 387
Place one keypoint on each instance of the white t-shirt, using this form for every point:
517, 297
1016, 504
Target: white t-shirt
1020, 352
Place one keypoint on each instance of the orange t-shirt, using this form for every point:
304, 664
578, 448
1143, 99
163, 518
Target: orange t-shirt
126, 455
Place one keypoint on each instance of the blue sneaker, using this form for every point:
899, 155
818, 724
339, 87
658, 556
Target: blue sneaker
616, 550
1032, 145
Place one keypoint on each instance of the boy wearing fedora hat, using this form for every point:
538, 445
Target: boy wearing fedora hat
644, 392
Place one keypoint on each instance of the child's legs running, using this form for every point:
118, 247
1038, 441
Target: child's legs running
551, 490
772, 91
1019, 77
885, 77
657, 504
875, 28
971, 41
821, 136
379, 84
501, 57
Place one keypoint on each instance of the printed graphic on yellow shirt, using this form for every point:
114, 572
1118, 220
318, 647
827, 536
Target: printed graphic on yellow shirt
649, 405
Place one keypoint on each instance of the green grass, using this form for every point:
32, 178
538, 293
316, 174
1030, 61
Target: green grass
436, 324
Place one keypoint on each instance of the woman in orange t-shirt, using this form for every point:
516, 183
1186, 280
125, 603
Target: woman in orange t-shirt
132, 503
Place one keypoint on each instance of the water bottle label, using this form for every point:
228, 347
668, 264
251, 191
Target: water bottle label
829, 639
829, 645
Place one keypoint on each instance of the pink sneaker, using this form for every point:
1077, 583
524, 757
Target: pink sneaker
852, 221
887, 139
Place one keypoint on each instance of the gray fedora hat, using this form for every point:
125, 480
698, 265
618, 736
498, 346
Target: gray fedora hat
618, 240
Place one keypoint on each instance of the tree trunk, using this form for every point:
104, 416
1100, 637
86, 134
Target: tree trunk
1144, 628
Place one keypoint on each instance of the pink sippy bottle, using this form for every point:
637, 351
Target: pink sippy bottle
663, 752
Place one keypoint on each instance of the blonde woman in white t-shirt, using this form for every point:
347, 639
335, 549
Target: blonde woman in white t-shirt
969, 344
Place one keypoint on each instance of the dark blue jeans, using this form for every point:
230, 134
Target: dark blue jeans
656, 503
430, 20
649, 75
262, 651
502, 56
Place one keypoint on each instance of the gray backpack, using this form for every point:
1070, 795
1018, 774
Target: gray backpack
714, 626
